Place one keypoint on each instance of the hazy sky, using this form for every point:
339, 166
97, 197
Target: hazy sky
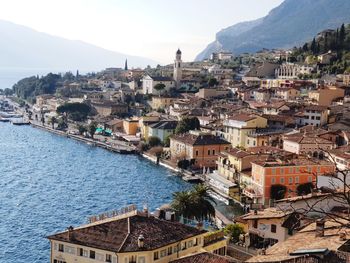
149, 28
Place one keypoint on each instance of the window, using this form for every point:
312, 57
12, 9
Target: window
213, 152
282, 180
190, 243
290, 180
297, 170
170, 250
60, 247
58, 261
163, 253
255, 223
197, 152
297, 179
156, 255
208, 152
309, 179
273, 228
92, 254
273, 180
273, 171
108, 258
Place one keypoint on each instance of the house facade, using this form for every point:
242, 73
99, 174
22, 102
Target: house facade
201, 148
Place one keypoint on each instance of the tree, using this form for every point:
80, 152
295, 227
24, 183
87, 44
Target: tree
313, 46
53, 120
304, 189
82, 129
342, 34
92, 129
234, 231
194, 204
62, 124
159, 87
278, 191
203, 203
212, 82
76, 111
187, 124
167, 141
154, 141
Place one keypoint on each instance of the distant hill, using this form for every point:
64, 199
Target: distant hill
292, 23
23, 47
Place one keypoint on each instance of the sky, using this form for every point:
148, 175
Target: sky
148, 28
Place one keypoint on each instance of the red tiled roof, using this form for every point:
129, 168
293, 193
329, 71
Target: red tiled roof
205, 139
121, 235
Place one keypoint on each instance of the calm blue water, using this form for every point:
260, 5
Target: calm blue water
49, 183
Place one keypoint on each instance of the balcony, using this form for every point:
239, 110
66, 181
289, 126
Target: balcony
251, 193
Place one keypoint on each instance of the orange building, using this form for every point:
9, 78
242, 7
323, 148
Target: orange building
289, 173
131, 126
200, 148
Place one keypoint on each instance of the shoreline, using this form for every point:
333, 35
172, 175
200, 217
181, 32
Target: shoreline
220, 218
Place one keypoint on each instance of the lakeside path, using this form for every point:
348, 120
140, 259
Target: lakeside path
118, 148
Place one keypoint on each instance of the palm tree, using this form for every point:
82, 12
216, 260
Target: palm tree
183, 204
194, 204
204, 209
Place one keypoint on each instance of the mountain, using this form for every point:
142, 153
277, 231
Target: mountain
23, 47
290, 24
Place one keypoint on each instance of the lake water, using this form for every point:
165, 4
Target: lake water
50, 182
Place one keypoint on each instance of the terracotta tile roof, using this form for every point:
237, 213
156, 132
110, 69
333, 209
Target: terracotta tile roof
307, 140
115, 235
243, 117
266, 214
205, 139
305, 239
316, 108
204, 257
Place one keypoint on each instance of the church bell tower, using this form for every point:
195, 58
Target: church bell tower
178, 68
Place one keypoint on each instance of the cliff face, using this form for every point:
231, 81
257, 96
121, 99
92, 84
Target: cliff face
290, 24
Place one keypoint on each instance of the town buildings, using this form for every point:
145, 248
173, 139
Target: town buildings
201, 149
237, 128
132, 237
289, 173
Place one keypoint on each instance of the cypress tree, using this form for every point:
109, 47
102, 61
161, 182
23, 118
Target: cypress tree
342, 34
313, 46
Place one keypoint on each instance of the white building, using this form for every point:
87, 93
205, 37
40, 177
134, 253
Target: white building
149, 82
292, 71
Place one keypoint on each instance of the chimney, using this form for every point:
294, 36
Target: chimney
320, 227
70, 233
141, 241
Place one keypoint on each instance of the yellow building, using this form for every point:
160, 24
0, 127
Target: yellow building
234, 161
133, 237
237, 128
144, 123
161, 102
131, 126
